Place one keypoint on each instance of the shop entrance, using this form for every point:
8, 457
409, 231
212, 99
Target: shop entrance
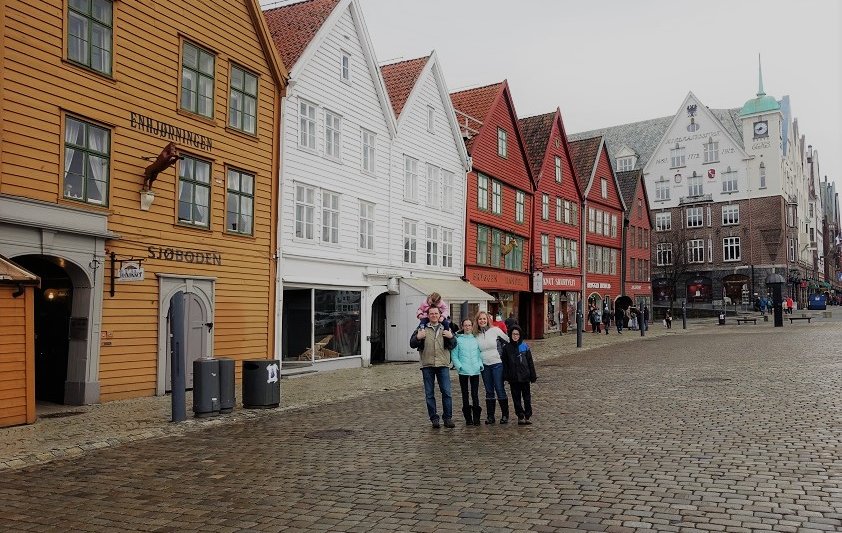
196, 341
61, 322
378, 329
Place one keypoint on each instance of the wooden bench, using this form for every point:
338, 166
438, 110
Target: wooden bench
743, 320
807, 318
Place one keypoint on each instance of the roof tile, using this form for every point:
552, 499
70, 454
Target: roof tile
628, 185
536, 136
400, 78
293, 26
583, 152
476, 103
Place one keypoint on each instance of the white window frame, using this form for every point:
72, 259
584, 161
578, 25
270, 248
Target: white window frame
433, 187
678, 158
410, 241
731, 250
331, 202
520, 200
625, 163
366, 240
410, 178
333, 135
447, 248
591, 220
694, 217
369, 151
345, 73
545, 249
662, 190
729, 181
663, 221
307, 125
482, 192
663, 253
502, 143
574, 253
305, 212
711, 151
613, 225
545, 206
696, 251
558, 169
695, 186
448, 185
558, 209
603, 187
432, 245
559, 251
730, 214
496, 197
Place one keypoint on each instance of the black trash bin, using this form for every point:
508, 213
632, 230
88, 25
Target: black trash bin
227, 396
261, 384
206, 387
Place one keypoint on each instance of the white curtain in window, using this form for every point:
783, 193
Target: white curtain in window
71, 156
98, 166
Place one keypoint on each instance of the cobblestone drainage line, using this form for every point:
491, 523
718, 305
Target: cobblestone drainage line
329, 434
62, 415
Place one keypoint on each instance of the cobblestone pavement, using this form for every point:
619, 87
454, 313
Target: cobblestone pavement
711, 429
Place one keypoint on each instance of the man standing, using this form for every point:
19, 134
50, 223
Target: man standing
434, 343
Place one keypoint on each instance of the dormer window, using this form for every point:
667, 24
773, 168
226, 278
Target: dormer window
502, 149
626, 163
345, 66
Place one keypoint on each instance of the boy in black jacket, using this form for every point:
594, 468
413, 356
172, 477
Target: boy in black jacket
519, 371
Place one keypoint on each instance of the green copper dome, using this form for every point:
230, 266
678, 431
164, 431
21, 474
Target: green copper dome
763, 103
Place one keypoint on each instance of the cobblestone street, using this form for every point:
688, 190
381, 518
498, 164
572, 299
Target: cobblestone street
711, 429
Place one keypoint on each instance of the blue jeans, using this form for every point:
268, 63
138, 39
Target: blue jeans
430, 374
492, 380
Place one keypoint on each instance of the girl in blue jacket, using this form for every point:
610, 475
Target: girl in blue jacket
467, 359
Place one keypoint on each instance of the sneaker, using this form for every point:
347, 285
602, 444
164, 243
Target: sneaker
521, 422
436, 424
448, 423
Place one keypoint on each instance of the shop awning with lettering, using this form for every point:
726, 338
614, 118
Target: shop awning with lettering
452, 290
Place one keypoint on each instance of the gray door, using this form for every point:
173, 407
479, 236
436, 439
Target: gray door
196, 344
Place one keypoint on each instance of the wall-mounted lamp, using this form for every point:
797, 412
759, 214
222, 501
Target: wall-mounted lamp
146, 199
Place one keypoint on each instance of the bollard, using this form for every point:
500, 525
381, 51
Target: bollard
177, 338
683, 314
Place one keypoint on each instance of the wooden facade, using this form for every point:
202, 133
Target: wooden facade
137, 97
638, 236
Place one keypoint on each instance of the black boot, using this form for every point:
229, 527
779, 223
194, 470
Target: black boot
477, 413
504, 411
489, 411
466, 410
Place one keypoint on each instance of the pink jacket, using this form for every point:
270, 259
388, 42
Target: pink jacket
425, 306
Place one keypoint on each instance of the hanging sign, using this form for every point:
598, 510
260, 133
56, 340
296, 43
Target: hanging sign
130, 271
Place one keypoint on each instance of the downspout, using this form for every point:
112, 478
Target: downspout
583, 250
278, 255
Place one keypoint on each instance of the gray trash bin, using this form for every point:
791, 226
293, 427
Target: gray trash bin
261, 384
206, 387
227, 396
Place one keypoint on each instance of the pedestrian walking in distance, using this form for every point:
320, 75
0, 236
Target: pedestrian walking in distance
434, 343
668, 319
519, 369
492, 367
467, 360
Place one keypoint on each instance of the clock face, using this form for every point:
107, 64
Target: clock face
761, 128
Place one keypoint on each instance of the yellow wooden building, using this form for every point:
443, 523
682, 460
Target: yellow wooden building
113, 221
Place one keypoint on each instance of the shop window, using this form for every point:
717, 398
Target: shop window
239, 211
194, 191
87, 152
332, 315
90, 34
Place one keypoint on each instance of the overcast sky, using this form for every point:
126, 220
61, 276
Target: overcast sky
611, 62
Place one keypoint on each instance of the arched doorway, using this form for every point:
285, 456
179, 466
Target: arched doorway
378, 329
62, 328
196, 327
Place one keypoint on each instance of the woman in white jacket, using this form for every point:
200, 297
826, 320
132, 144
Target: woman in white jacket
492, 371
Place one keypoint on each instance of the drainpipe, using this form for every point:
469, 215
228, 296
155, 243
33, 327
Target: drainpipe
583, 238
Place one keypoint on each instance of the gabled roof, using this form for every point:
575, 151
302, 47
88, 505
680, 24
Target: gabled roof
584, 153
400, 78
536, 136
471, 106
293, 26
628, 185
12, 274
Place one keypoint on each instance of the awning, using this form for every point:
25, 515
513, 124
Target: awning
452, 290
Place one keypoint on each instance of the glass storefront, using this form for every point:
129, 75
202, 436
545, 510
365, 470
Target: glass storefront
504, 303
559, 311
320, 324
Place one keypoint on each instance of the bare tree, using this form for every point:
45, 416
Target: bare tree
671, 260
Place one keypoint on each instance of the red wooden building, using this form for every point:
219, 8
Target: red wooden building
602, 216
636, 281
499, 201
556, 225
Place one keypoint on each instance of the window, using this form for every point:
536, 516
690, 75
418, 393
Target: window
792, 245
592, 220
677, 158
239, 210
791, 215
410, 241
447, 248
410, 178
625, 163
711, 151
558, 210
496, 197
613, 269
519, 207
559, 251
730, 214
482, 192
662, 190
369, 144
567, 212
731, 249
633, 269
448, 189
604, 187
613, 225
87, 152
345, 66
333, 135
695, 187
242, 101
574, 214
366, 225
574, 254
663, 253
90, 34
639, 208
496, 237
431, 119
432, 245
330, 217
307, 125
696, 251
729, 181
482, 245
433, 187
545, 206
194, 191
545, 249
502, 148
305, 207
197, 71
762, 175
663, 221
557, 169
514, 259
695, 217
